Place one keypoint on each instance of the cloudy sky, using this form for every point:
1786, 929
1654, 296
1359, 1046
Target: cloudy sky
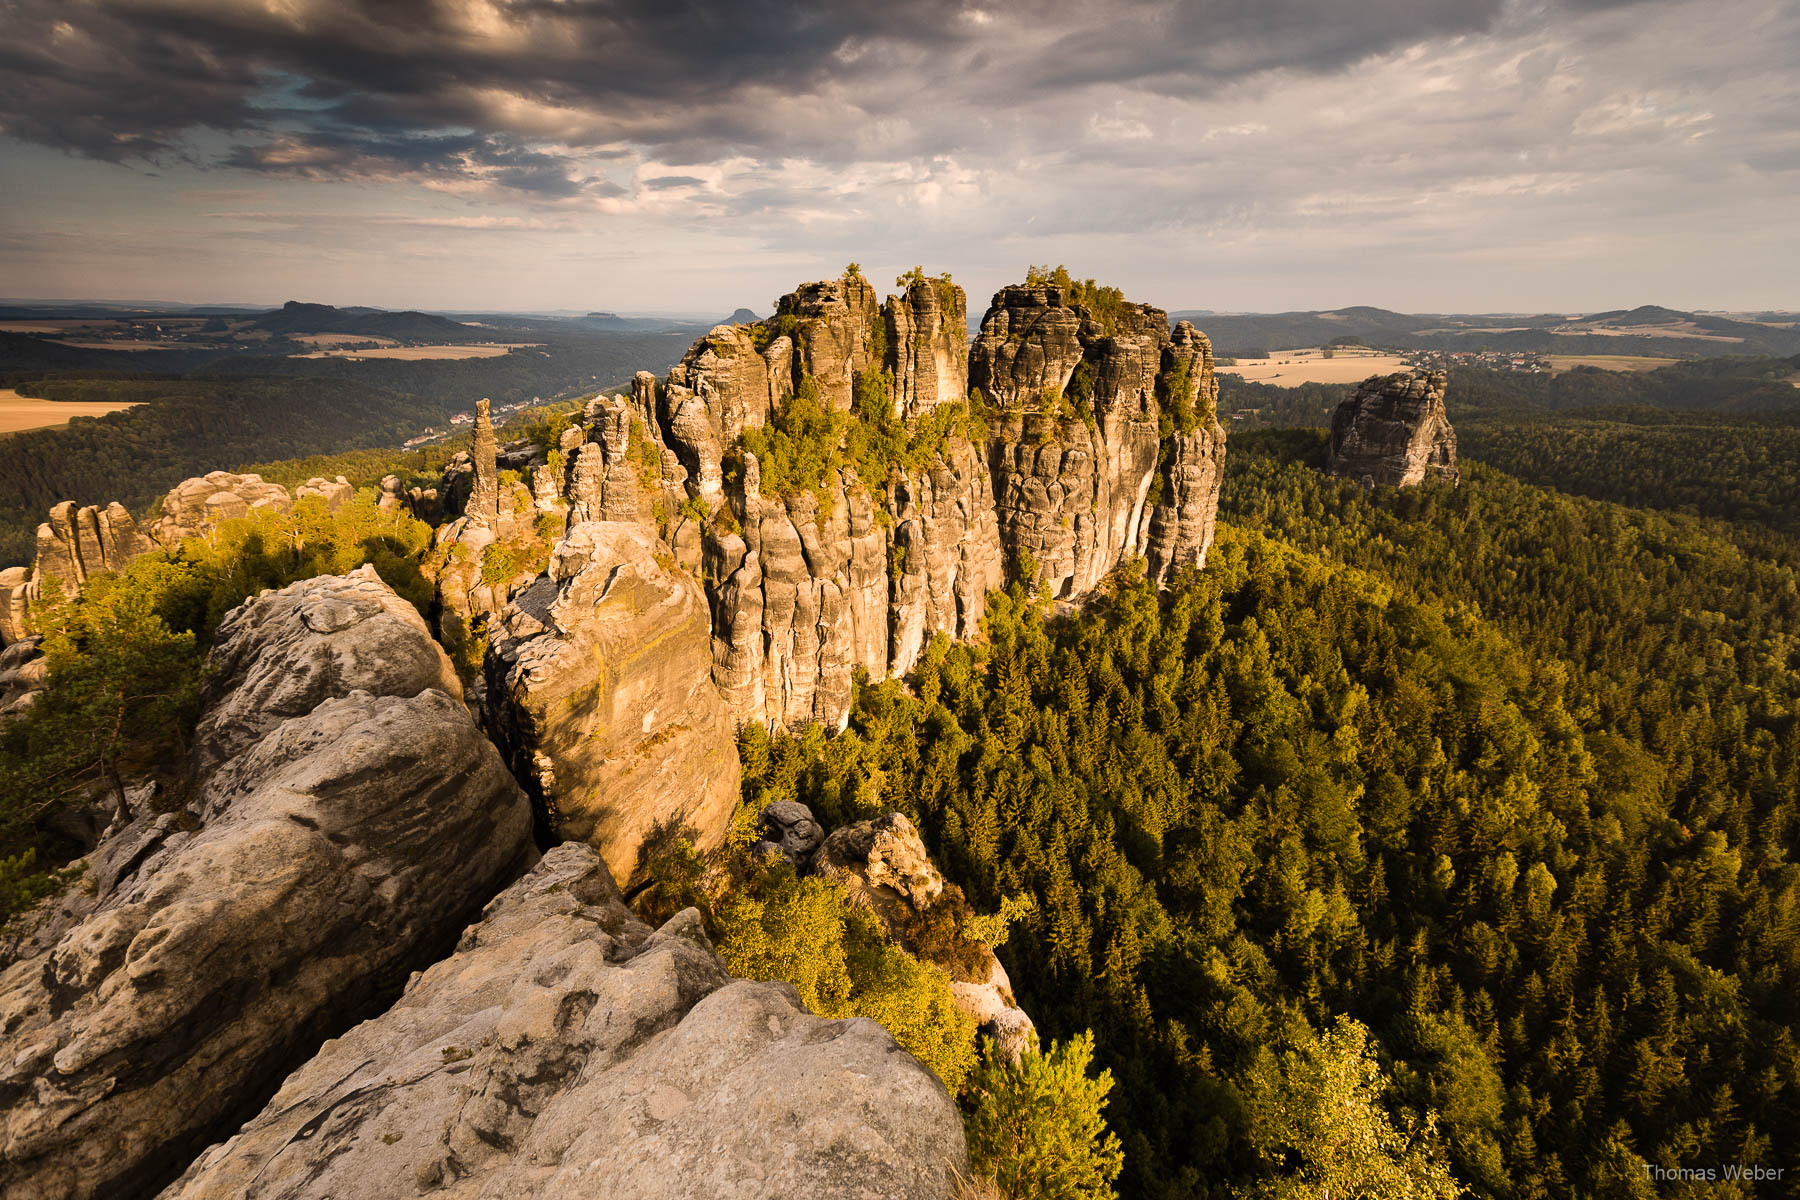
675, 155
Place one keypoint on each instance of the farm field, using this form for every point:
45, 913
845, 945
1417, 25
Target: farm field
19, 413
412, 353
1559, 363
1290, 368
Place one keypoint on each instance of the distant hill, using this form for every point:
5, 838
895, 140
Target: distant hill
1282, 331
1650, 330
614, 323
742, 316
296, 317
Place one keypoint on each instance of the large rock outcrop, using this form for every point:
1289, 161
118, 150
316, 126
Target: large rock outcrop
565, 1051
1093, 438
344, 819
1394, 430
1109, 443
196, 505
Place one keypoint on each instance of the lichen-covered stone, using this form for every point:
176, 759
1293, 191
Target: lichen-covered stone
565, 1051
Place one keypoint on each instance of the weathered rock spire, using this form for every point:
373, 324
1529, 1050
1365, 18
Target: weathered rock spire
484, 498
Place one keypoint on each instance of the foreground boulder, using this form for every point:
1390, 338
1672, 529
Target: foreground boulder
1394, 430
345, 818
565, 1051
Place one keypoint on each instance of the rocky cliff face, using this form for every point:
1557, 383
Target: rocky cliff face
599, 692
1394, 430
344, 819
567, 1051
1101, 442
1110, 443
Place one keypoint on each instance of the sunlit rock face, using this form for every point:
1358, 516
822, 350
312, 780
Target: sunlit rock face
344, 819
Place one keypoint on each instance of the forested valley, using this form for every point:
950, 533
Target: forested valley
1508, 778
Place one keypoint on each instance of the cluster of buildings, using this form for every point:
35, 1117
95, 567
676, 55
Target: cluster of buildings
1492, 360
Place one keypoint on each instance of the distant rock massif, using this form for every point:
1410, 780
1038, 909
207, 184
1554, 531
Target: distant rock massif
686, 594
1394, 430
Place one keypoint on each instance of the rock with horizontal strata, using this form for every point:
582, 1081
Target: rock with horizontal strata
565, 1051
1394, 430
345, 820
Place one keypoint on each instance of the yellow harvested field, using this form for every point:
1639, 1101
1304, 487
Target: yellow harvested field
341, 339
417, 352
1290, 368
19, 413
1606, 362
44, 326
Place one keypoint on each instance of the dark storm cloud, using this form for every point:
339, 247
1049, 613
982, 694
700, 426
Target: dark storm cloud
512, 92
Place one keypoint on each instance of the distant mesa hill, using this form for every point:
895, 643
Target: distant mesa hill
614, 323
1650, 330
296, 317
743, 316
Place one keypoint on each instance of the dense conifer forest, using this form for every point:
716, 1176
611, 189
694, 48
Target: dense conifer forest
1506, 777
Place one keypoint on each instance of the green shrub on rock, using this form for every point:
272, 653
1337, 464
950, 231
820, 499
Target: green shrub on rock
1037, 1128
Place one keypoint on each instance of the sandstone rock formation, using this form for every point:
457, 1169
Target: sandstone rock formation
565, 1051
344, 818
496, 545
1137, 473
599, 692
72, 544
195, 505
1394, 430
77, 542
22, 674
883, 866
333, 491
1102, 443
